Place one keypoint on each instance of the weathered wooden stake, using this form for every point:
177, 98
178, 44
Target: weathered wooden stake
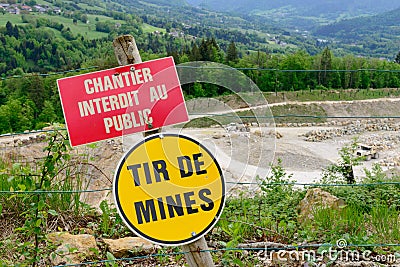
126, 52
197, 254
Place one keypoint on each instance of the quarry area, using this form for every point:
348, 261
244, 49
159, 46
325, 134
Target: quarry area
245, 151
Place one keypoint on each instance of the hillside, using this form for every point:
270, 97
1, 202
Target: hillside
303, 14
266, 26
353, 29
370, 35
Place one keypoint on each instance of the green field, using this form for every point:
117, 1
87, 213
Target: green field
14, 19
148, 28
85, 29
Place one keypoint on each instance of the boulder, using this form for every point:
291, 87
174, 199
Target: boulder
317, 198
72, 249
128, 245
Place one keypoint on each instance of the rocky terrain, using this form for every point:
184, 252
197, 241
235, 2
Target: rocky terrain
245, 151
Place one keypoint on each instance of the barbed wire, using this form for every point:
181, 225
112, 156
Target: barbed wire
291, 247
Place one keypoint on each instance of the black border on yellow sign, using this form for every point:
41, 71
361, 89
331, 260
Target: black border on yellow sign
152, 239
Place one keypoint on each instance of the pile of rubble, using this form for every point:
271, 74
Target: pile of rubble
339, 123
21, 140
381, 142
352, 128
390, 162
384, 142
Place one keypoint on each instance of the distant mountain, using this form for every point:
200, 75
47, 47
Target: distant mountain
367, 36
353, 29
305, 13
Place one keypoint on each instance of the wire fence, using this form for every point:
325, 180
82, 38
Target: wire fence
279, 79
255, 250
239, 117
91, 68
265, 249
311, 185
238, 249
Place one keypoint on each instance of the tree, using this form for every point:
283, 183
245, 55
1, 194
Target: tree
84, 18
232, 53
31, 3
9, 28
195, 54
397, 59
48, 113
343, 170
325, 66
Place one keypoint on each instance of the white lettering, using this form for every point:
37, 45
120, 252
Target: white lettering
89, 90
147, 75
128, 121
153, 95
118, 81
108, 84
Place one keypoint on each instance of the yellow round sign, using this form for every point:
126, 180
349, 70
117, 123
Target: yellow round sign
169, 189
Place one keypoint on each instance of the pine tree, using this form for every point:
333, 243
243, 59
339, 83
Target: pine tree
9, 28
231, 53
326, 64
195, 54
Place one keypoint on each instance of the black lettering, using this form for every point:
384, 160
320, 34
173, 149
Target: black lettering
134, 170
198, 164
160, 167
162, 209
174, 206
142, 211
189, 202
147, 172
182, 168
202, 196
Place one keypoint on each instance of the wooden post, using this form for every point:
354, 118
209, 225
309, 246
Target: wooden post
197, 254
126, 52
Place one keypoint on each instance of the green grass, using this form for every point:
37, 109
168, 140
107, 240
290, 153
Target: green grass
87, 30
88, 7
43, 2
149, 28
14, 19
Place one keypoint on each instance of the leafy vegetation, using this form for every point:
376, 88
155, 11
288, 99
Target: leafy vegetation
33, 214
369, 217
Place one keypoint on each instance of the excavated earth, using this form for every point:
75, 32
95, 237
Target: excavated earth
245, 152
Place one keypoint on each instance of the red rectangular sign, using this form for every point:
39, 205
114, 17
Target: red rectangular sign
123, 100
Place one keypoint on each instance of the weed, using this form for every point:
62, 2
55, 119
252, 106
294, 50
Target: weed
35, 210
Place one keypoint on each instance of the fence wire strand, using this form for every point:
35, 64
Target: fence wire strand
299, 247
